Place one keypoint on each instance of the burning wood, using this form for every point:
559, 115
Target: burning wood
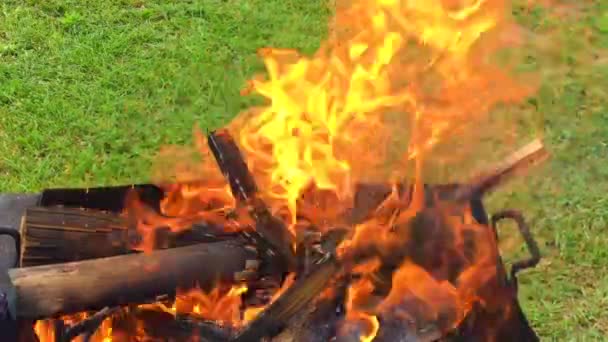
291, 303
116, 281
87, 326
418, 257
158, 325
271, 230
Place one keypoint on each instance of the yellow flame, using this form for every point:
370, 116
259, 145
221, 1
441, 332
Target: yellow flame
379, 60
375, 325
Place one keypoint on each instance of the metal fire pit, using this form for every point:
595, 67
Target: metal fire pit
503, 326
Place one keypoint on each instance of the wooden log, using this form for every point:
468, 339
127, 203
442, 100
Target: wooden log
50, 290
58, 234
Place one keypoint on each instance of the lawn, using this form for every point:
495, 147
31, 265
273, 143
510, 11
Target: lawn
89, 91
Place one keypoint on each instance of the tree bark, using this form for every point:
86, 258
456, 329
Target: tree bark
50, 290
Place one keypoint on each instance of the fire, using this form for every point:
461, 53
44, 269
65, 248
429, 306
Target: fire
219, 305
424, 67
422, 59
396, 81
360, 291
188, 199
252, 312
224, 308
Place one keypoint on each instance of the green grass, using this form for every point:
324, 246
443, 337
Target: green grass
566, 296
89, 91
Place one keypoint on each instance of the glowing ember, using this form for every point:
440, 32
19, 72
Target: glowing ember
395, 75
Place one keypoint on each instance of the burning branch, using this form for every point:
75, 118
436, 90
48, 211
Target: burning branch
159, 325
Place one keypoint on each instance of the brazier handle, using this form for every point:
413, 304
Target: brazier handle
16, 236
524, 230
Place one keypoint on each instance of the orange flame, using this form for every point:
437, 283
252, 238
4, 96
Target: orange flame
359, 292
221, 306
188, 198
252, 312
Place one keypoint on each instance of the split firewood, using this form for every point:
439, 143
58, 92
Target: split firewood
50, 290
52, 235
57, 234
517, 163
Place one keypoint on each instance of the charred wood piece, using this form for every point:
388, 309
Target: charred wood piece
273, 232
59, 330
232, 164
307, 242
270, 321
299, 295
